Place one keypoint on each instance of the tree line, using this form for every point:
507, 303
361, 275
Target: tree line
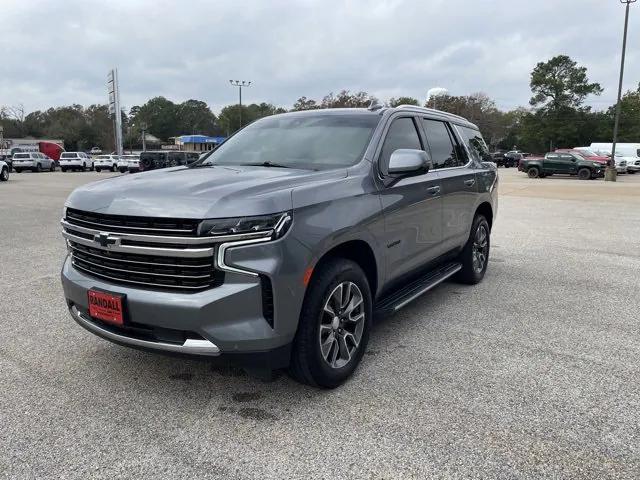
555, 118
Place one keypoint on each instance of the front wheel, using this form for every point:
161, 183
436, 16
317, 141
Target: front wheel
98, 169
114, 168
4, 175
334, 326
533, 172
475, 255
584, 174
84, 167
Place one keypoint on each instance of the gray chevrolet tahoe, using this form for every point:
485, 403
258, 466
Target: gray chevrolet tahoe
278, 248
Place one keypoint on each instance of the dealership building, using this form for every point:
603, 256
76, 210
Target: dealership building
198, 143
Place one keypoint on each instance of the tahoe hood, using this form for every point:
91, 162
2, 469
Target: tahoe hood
206, 192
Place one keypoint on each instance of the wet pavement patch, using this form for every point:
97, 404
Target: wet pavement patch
243, 397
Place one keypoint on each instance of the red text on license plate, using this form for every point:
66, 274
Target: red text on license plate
106, 307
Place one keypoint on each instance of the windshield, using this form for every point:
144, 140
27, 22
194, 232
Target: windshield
588, 153
103, 157
68, 155
320, 141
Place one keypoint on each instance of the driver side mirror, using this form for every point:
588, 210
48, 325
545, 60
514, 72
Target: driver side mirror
408, 162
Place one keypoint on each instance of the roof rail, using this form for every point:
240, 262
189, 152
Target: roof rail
431, 110
375, 105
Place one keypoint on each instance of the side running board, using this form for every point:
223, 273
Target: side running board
400, 298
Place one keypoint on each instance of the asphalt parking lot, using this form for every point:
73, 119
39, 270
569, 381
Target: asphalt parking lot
532, 373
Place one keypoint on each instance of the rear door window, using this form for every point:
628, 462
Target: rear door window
443, 150
401, 134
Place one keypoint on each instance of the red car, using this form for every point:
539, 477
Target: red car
586, 153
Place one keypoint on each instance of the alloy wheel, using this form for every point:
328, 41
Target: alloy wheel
480, 248
342, 324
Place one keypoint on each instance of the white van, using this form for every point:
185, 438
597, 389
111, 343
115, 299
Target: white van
629, 152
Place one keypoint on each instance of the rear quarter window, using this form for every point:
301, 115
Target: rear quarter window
475, 144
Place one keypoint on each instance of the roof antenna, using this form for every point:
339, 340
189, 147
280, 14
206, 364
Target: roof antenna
375, 105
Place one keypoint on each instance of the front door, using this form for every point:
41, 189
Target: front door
412, 206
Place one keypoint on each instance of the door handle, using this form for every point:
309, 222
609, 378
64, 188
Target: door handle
470, 182
433, 190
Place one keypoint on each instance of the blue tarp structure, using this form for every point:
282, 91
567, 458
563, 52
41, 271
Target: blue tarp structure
200, 139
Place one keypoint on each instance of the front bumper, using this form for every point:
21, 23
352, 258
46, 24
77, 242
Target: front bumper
228, 319
190, 346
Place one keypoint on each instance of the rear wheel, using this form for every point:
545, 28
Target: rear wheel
4, 174
18, 170
38, 168
475, 255
334, 326
84, 167
52, 168
584, 174
114, 168
533, 172
98, 169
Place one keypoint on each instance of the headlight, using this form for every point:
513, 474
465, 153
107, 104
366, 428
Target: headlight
277, 224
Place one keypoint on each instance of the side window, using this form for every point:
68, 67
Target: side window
475, 144
553, 156
443, 151
401, 134
567, 157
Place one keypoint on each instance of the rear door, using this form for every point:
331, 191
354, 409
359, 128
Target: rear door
457, 175
412, 206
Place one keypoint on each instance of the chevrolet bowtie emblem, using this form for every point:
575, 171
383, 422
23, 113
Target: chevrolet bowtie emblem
105, 240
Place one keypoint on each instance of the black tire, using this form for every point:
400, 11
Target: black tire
84, 167
63, 169
533, 172
4, 174
98, 169
114, 168
38, 168
584, 174
52, 168
122, 170
308, 364
18, 170
472, 272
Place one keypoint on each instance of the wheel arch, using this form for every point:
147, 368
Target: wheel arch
358, 251
485, 209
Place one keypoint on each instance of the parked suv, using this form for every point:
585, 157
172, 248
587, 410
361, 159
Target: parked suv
106, 162
561, 163
277, 248
75, 161
34, 161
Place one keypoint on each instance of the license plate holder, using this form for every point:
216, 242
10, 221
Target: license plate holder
107, 306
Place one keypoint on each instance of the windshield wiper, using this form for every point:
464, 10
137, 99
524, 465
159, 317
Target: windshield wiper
266, 164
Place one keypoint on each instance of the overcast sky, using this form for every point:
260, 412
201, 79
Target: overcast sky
58, 52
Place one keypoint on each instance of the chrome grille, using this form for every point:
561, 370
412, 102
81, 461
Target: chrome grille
129, 224
150, 252
137, 252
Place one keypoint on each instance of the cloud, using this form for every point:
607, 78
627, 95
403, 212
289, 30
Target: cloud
58, 53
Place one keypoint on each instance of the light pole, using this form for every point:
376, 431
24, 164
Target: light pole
143, 127
240, 84
610, 173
